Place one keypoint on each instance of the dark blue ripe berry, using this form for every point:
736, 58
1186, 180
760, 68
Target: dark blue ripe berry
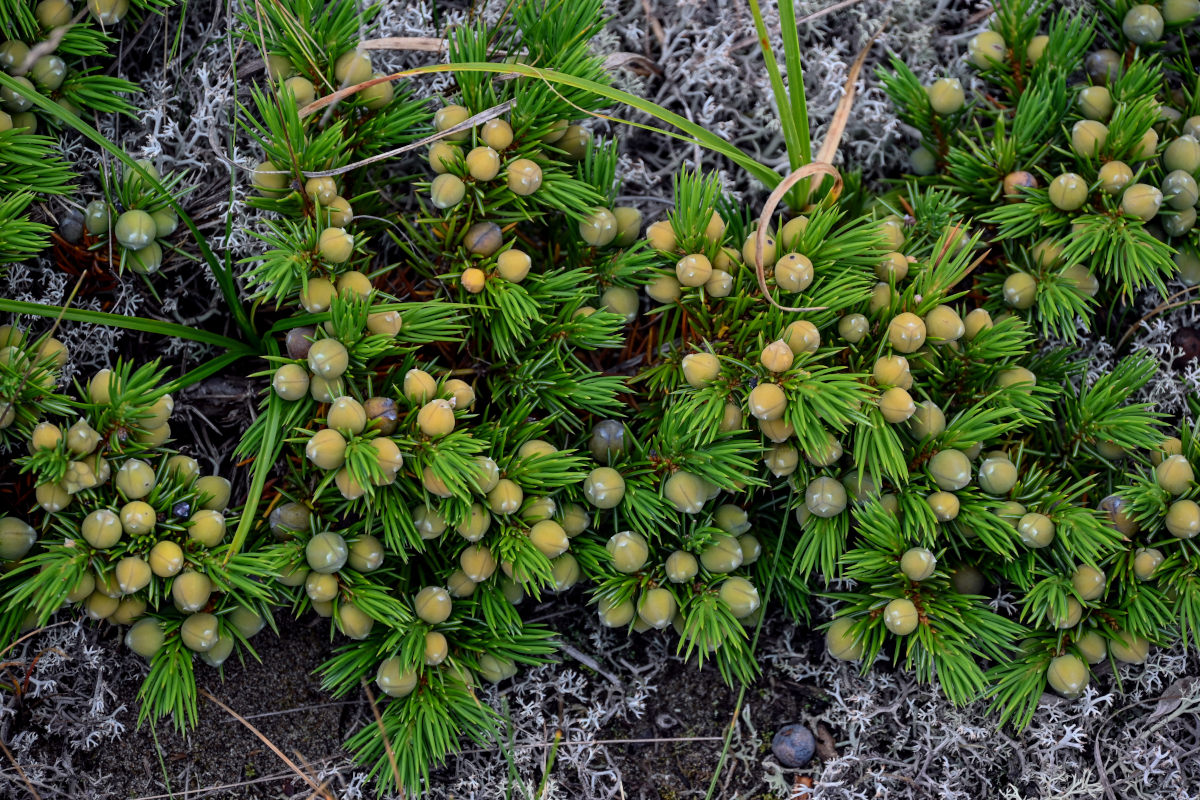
794, 745
182, 509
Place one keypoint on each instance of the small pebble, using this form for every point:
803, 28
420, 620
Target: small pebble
794, 745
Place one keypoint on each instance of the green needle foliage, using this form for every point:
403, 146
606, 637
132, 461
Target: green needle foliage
485, 384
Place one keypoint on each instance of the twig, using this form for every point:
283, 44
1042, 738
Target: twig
1166, 305
827, 10
262, 737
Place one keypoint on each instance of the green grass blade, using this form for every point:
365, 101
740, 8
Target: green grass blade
156, 326
692, 133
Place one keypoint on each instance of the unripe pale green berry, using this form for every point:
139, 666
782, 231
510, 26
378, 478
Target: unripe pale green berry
900, 616
1016, 376
1182, 154
1176, 12
793, 272
987, 49
138, 518
881, 298
1170, 446
918, 564
615, 614
1093, 647
682, 567
496, 134
840, 643
300, 88
436, 648
825, 497
1067, 675
325, 390
447, 191
1070, 618
419, 386
1068, 191
628, 550
1143, 24
132, 574
53, 13
524, 177
1103, 65
549, 538
1146, 561
100, 606
782, 460
693, 270
326, 449
661, 236
449, 116
488, 474
997, 476
477, 563
321, 588
352, 67
1089, 582
48, 72
629, 225
767, 401
853, 328
1180, 223
750, 250
433, 605
825, 456
483, 238
135, 229
1129, 648
620, 300
896, 405
379, 95
1082, 279
436, 418
1174, 475
347, 415
604, 487
336, 245
929, 420
906, 332
1114, 177
1095, 102
751, 548
657, 608
1088, 138
442, 156
214, 491
428, 521
664, 289
207, 527
326, 552
366, 554
946, 96
191, 590
700, 369
599, 228
892, 371
1183, 519
607, 440
1036, 530
686, 492
317, 294
165, 559
1180, 190
944, 505
393, 680
321, 190
145, 637
101, 529
507, 496
943, 324
1020, 290
740, 595
723, 554
1141, 201
200, 632
17, 538
922, 161
328, 358
135, 479
1147, 146
353, 621
777, 356
354, 285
